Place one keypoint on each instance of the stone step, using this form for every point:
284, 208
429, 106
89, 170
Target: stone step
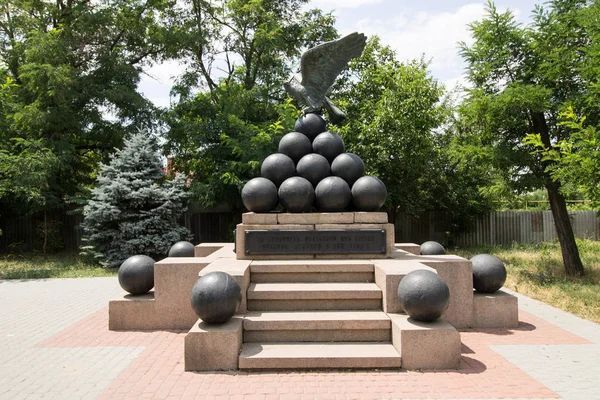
313, 296
317, 326
312, 271
272, 356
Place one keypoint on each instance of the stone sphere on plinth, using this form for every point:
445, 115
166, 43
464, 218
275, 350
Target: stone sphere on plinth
277, 168
216, 297
297, 195
368, 193
329, 145
332, 194
295, 145
432, 248
423, 295
136, 274
259, 195
182, 249
313, 167
311, 125
349, 167
489, 273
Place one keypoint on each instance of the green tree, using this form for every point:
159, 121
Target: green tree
69, 72
396, 118
575, 161
522, 77
231, 108
134, 208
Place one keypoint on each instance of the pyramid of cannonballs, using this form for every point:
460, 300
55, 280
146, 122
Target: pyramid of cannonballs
312, 172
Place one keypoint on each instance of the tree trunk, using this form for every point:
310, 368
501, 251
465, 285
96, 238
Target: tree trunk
564, 231
562, 222
45, 235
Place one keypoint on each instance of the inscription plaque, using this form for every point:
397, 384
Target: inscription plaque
335, 241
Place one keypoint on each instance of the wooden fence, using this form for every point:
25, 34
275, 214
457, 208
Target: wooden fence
501, 227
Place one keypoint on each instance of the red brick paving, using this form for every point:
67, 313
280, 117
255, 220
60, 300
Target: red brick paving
158, 373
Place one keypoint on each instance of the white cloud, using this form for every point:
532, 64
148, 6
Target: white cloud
434, 35
157, 81
329, 4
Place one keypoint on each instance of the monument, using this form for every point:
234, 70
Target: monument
321, 282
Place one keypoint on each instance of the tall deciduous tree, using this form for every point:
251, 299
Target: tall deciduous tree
134, 208
231, 109
396, 115
522, 77
65, 66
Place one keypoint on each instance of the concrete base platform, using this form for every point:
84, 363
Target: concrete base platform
213, 347
495, 310
426, 345
270, 356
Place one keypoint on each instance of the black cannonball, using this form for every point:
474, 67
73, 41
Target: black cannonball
431, 248
297, 195
313, 167
329, 145
489, 273
368, 194
277, 168
136, 274
349, 167
295, 145
311, 125
259, 195
182, 249
423, 295
332, 194
216, 297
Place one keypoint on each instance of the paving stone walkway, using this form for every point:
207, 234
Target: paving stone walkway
54, 343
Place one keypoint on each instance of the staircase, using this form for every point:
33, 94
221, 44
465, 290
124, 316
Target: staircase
315, 314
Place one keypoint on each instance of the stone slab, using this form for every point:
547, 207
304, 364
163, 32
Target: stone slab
213, 347
251, 218
495, 310
389, 239
388, 274
315, 218
240, 244
411, 248
318, 356
206, 249
363, 217
426, 345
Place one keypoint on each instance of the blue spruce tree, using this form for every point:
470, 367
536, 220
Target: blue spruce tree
134, 207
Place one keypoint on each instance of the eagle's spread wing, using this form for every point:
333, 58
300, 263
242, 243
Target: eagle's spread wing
323, 63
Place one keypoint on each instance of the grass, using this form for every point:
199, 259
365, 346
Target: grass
536, 270
62, 265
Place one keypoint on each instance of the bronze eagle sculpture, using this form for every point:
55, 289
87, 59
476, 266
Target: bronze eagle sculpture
319, 67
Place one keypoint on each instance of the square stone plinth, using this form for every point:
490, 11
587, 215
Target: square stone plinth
131, 312
411, 248
388, 274
495, 310
425, 345
458, 274
208, 249
238, 269
213, 347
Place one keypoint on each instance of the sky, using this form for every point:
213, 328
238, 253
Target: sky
429, 28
